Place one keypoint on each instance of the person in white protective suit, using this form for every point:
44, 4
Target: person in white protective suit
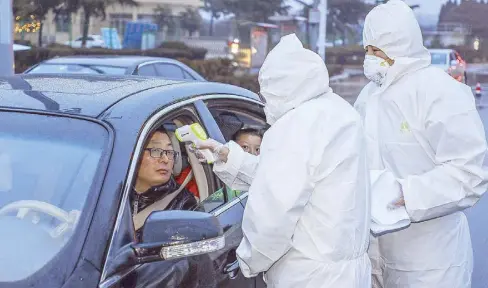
306, 222
424, 132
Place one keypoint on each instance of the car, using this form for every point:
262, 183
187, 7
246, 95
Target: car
117, 65
450, 61
92, 41
69, 157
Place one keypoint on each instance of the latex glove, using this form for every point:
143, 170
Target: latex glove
400, 202
197, 153
210, 144
218, 149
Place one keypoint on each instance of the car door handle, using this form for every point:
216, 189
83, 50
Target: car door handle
232, 269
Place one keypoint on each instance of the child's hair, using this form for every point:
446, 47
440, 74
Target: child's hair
247, 131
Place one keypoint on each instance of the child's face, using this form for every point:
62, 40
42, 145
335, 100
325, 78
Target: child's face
250, 143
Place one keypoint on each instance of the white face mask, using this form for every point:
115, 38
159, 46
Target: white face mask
375, 69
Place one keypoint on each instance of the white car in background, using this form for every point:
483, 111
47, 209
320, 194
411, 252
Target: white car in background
450, 61
92, 41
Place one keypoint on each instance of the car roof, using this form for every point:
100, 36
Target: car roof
107, 60
91, 95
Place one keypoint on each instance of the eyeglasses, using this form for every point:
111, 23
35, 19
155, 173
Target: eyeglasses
158, 153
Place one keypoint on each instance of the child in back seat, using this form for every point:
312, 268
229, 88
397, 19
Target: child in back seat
249, 139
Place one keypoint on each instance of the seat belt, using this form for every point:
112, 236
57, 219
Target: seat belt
160, 205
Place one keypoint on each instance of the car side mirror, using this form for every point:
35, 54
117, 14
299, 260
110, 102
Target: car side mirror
169, 235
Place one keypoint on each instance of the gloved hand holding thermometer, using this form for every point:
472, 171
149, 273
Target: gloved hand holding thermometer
207, 147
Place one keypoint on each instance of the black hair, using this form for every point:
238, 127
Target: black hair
247, 131
160, 129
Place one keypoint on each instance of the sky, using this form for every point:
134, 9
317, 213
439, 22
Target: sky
427, 14
427, 6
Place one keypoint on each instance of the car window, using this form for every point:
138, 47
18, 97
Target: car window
48, 167
63, 69
76, 69
199, 183
232, 116
439, 58
170, 71
452, 57
110, 70
188, 75
147, 70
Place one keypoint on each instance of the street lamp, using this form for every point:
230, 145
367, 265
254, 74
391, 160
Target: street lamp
322, 29
476, 44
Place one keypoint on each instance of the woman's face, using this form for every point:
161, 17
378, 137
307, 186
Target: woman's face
250, 143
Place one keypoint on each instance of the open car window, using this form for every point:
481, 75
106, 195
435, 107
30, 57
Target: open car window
231, 116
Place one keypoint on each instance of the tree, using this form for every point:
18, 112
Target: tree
35, 9
384, 1
343, 14
164, 17
216, 9
254, 10
190, 20
470, 13
92, 8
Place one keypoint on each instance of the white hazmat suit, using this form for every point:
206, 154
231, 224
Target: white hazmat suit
422, 127
239, 169
306, 222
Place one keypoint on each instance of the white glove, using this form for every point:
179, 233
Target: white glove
219, 150
210, 144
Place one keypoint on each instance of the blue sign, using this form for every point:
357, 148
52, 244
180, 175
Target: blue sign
111, 38
134, 32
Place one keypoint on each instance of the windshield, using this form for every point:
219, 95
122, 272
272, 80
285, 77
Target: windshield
77, 69
47, 165
439, 58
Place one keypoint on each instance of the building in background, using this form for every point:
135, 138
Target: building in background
70, 27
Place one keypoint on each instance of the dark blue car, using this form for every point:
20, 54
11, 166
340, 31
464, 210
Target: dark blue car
69, 151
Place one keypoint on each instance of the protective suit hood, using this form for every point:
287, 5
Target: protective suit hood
290, 76
393, 28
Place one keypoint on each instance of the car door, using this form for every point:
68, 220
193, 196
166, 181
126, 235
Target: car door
230, 114
217, 269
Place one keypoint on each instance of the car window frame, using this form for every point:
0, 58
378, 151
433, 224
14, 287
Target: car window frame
242, 106
75, 244
157, 117
144, 132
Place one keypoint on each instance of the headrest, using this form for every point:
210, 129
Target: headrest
176, 146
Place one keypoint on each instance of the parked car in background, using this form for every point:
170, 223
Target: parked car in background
117, 65
69, 158
92, 41
450, 61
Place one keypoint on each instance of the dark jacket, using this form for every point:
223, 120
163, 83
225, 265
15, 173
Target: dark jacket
183, 201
